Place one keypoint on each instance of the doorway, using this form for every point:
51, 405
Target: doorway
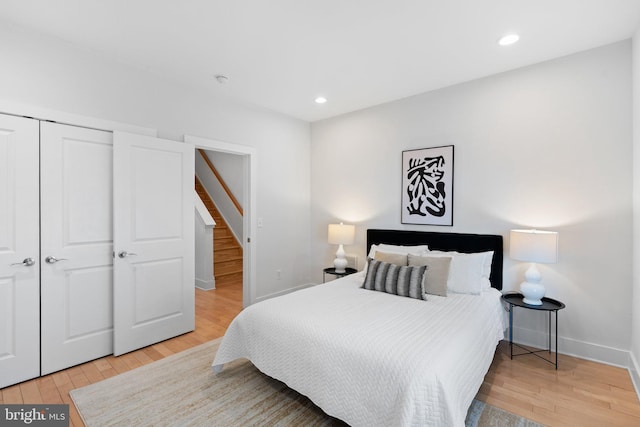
248, 155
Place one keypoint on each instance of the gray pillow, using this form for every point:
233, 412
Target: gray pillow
436, 276
395, 279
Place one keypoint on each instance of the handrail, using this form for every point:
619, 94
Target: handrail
224, 184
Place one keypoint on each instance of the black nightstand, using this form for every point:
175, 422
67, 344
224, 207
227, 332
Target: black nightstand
549, 305
332, 270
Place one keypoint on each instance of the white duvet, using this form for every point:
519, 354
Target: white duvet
370, 358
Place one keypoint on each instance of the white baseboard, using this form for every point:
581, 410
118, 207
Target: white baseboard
205, 285
583, 350
634, 372
286, 291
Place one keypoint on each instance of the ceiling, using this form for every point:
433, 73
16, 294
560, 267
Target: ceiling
282, 54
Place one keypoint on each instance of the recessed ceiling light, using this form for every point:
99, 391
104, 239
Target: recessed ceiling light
508, 39
321, 100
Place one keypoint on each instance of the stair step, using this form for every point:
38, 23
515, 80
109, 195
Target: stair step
228, 279
230, 251
221, 232
224, 243
223, 257
228, 262
225, 267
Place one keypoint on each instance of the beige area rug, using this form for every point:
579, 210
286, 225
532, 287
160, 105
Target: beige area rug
182, 390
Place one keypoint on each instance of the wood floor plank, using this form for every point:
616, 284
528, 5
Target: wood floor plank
30, 392
143, 357
62, 381
48, 390
130, 360
12, 395
118, 363
92, 372
78, 377
163, 349
152, 353
102, 364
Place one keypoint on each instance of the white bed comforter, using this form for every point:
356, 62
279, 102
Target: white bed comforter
370, 358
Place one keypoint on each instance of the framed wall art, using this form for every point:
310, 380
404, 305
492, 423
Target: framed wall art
427, 186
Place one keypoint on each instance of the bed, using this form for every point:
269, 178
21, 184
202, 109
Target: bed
372, 358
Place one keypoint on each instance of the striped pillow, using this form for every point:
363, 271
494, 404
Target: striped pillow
402, 280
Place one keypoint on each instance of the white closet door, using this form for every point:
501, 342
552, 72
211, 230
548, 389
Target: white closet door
19, 251
77, 245
153, 240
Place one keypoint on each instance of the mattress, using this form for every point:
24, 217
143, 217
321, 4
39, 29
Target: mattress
371, 358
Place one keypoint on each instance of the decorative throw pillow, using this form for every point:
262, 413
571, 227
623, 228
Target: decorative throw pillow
436, 276
391, 258
394, 279
391, 255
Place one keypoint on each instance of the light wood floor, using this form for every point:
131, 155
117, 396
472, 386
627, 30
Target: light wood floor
579, 393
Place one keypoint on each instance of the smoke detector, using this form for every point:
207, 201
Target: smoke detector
221, 78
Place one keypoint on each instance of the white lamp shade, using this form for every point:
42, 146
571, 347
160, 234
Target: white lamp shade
534, 246
341, 234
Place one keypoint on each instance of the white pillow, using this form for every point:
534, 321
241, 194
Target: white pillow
469, 273
486, 270
486, 266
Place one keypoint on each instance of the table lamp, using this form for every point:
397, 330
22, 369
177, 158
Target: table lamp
341, 234
533, 246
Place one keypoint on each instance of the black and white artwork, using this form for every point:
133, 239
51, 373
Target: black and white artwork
427, 186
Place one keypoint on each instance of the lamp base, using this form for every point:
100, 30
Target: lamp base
531, 288
532, 292
340, 263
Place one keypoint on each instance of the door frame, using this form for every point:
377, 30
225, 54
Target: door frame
248, 207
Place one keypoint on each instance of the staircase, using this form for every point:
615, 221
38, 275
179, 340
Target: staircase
227, 252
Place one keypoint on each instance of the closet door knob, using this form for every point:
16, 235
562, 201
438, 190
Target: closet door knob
27, 262
52, 260
124, 254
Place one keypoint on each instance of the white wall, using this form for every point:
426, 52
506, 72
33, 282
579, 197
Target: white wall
52, 74
635, 302
229, 166
546, 146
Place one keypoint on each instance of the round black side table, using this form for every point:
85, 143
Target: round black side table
332, 271
550, 306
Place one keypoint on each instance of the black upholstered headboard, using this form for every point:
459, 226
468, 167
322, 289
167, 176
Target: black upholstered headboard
466, 243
